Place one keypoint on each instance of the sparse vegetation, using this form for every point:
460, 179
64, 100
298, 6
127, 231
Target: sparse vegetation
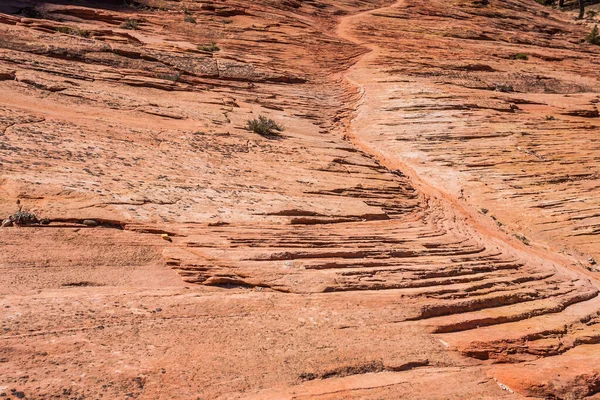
147, 5
211, 47
189, 18
73, 31
523, 239
501, 87
29, 12
561, 4
594, 36
264, 126
23, 218
520, 56
132, 24
173, 77
500, 224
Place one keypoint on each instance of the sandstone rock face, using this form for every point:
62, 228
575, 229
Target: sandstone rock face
425, 227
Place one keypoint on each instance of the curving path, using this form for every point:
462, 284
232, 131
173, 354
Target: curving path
351, 257
557, 333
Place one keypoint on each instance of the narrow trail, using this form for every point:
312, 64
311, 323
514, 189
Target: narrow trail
551, 328
471, 216
344, 31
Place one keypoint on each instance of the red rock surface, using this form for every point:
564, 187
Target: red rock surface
425, 226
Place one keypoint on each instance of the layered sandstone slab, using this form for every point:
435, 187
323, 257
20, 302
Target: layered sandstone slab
418, 230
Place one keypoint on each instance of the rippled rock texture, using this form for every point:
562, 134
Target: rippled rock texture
426, 225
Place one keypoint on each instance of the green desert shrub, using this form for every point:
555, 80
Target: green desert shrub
132, 24
504, 88
264, 126
73, 31
211, 47
594, 36
520, 56
23, 218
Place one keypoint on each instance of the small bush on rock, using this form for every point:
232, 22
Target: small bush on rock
173, 77
21, 218
594, 36
504, 88
264, 126
211, 47
73, 31
520, 56
132, 24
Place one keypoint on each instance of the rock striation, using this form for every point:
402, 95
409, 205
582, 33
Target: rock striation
426, 225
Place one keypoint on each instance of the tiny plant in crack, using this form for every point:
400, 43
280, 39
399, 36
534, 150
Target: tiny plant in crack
189, 18
21, 218
211, 47
132, 24
264, 126
504, 88
520, 56
73, 31
594, 36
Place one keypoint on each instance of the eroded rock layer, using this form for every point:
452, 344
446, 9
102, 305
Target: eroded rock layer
426, 225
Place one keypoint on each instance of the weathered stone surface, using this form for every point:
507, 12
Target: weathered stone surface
421, 229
